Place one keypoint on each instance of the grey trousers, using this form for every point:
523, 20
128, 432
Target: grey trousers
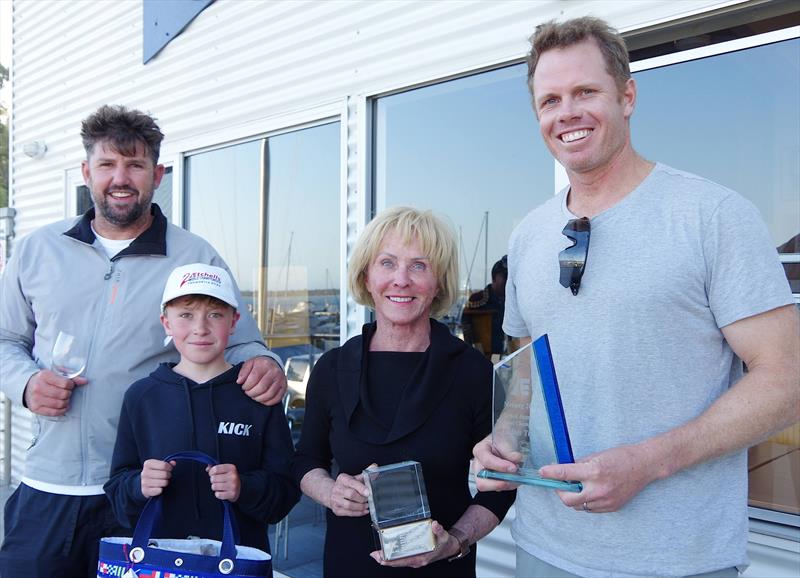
531, 567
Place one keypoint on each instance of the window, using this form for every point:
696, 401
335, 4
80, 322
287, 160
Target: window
738, 126
733, 117
270, 207
468, 149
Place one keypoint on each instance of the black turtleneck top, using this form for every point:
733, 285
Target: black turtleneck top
387, 407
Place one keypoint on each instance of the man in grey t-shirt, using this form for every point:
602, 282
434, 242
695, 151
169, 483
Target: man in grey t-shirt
679, 284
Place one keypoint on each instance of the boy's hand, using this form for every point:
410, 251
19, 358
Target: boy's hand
155, 477
225, 481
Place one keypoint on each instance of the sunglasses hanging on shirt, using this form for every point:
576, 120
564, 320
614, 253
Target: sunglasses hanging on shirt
572, 260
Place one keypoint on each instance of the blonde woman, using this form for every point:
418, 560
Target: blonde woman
405, 389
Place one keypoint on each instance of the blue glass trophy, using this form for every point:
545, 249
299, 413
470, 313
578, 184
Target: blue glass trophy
529, 426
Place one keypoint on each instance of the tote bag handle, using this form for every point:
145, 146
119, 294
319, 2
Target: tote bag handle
152, 513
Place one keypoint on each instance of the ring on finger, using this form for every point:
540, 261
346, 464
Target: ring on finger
586, 507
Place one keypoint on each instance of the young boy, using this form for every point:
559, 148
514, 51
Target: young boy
197, 405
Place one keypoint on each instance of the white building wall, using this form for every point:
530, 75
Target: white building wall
241, 65
246, 68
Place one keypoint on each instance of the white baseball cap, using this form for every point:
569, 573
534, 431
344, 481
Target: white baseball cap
199, 279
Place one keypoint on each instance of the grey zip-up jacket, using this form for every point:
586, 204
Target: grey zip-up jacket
60, 279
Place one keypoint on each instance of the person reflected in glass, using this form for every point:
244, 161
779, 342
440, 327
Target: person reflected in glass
792, 269
405, 389
491, 300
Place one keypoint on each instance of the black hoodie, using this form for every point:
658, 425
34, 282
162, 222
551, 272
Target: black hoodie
167, 412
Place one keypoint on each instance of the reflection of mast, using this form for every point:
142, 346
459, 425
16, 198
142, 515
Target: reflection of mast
486, 248
261, 295
278, 306
288, 263
327, 288
483, 231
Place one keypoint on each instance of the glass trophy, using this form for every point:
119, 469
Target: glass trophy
398, 506
529, 426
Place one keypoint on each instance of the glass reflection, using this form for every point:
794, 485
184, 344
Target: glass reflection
468, 149
302, 285
733, 118
270, 207
223, 206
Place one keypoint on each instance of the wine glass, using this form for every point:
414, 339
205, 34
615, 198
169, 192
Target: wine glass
69, 355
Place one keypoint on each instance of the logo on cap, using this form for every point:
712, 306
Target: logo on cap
199, 276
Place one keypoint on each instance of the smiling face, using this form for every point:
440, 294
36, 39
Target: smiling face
583, 116
402, 284
122, 189
200, 328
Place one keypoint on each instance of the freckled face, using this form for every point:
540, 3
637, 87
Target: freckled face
199, 329
582, 115
402, 284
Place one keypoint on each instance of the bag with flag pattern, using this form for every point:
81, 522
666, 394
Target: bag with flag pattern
143, 557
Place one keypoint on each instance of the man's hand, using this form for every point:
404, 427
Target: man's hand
487, 458
263, 380
155, 477
225, 481
349, 496
446, 547
610, 478
48, 393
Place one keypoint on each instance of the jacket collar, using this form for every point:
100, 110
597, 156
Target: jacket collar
429, 385
165, 372
152, 241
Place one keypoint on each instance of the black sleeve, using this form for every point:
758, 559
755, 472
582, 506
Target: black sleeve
269, 493
124, 488
314, 448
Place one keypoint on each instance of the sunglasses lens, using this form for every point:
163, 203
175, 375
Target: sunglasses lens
572, 260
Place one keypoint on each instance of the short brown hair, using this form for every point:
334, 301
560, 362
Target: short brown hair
438, 243
199, 299
123, 128
552, 34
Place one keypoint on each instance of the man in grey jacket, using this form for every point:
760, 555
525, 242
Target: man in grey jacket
98, 277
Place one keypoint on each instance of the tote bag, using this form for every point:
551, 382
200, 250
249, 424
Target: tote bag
143, 557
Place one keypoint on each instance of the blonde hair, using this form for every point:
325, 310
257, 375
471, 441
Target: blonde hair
438, 245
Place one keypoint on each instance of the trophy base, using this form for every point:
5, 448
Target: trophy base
531, 479
407, 539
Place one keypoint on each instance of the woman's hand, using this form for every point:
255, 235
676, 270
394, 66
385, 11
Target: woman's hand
348, 496
446, 547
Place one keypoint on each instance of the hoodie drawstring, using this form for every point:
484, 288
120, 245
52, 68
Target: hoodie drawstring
193, 465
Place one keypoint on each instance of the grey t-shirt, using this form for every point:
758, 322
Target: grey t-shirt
638, 352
